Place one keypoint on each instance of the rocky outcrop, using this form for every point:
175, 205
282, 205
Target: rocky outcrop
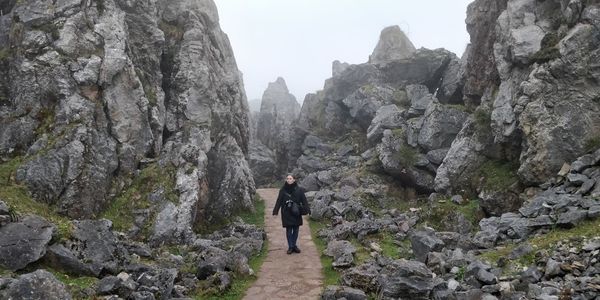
275, 129
37, 285
393, 44
94, 88
537, 109
24, 242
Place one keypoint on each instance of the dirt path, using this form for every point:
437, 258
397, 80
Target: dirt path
283, 276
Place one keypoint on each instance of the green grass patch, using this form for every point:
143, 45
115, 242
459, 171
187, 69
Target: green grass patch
46, 118
592, 144
330, 275
498, 175
437, 215
406, 155
459, 107
256, 217
483, 120
75, 284
546, 242
548, 50
17, 198
135, 196
4, 53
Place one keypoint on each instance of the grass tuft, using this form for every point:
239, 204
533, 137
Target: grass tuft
134, 197
17, 198
330, 275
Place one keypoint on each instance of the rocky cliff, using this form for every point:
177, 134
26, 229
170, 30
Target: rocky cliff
94, 91
275, 135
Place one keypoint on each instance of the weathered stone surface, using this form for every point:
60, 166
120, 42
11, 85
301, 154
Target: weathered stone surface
424, 242
410, 279
39, 285
387, 117
61, 258
101, 87
97, 245
262, 163
24, 242
393, 44
278, 113
342, 253
334, 292
440, 126
338, 67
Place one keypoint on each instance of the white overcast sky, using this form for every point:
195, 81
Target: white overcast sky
299, 39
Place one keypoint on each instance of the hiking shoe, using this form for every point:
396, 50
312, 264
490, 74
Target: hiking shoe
290, 251
296, 249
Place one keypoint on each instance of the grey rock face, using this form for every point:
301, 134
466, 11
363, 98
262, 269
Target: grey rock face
393, 44
24, 242
39, 285
387, 117
108, 85
366, 101
463, 157
402, 160
338, 67
262, 163
480, 71
61, 258
279, 112
545, 117
440, 126
424, 242
97, 245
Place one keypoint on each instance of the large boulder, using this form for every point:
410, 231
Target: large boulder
24, 242
39, 285
96, 244
440, 126
387, 117
407, 279
393, 44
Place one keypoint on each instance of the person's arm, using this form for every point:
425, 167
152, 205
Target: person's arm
305, 202
277, 204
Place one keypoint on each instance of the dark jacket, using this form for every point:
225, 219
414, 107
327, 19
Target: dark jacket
287, 219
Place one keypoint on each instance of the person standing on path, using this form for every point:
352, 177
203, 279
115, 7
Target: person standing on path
291, 194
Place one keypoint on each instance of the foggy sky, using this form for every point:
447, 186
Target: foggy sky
299, 39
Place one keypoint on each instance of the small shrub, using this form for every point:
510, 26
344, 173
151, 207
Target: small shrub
592, 144
401, 98
100, 6
17, 198
4, 54
171, 31
135, 196
406, 155
545, 55
483, 120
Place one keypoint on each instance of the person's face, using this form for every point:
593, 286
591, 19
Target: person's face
289, 179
